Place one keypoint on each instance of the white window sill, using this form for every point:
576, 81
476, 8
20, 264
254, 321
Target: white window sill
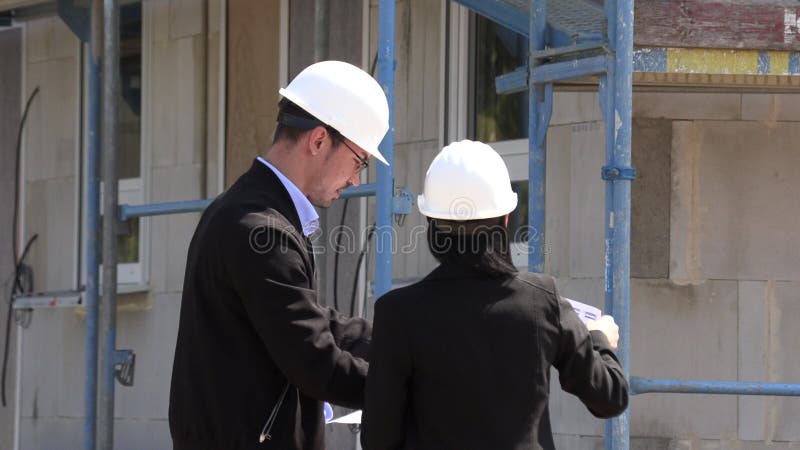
131, 288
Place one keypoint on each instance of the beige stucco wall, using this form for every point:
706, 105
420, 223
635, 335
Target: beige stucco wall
179, 162
714, 243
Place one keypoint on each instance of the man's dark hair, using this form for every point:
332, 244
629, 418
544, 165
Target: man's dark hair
286, 108
481, 244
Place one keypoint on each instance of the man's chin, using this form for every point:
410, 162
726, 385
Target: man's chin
326, 202
323, 204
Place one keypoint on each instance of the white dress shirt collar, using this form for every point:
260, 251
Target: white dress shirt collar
309, 218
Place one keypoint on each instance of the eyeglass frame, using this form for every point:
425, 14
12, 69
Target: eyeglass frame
363, 163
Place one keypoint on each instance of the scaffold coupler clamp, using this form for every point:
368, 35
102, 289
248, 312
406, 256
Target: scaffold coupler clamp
124, 364
618, 173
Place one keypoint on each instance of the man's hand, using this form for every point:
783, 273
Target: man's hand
606, 325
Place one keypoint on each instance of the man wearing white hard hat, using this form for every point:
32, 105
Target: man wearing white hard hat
256, 354
461, 360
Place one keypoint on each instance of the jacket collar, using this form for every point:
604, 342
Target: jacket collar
450, 271
267, 183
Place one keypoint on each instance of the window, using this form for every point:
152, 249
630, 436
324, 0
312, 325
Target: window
483, 50
129, 153
496, 51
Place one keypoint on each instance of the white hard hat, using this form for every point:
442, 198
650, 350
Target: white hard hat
467, 180
346, 98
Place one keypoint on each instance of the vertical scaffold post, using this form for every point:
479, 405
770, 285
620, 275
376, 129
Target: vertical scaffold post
383, 219
111, 90
539, 109
92, 226
618, 217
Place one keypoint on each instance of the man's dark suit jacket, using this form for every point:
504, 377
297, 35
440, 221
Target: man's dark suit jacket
250, 321
473, 372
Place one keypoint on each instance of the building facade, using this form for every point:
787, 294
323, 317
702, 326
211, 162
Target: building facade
715, 248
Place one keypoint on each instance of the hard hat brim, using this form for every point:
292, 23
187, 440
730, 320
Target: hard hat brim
456, 214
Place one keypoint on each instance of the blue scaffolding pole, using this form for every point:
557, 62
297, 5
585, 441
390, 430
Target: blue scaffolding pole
540, 106
647, 385
87, 25
383, 219
618, 175
109, 137
92, 228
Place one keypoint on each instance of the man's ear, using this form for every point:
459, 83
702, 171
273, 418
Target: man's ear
317, 140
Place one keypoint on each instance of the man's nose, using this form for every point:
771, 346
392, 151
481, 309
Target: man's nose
355, 179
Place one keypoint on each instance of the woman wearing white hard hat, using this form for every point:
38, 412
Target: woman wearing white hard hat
461, 360
256, 354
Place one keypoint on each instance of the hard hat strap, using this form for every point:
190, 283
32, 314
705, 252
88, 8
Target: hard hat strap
303, 123
466, 227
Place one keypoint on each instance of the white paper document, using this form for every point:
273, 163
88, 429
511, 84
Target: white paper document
352, 418
585, 312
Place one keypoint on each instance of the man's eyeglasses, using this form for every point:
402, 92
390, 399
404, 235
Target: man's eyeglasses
363, 163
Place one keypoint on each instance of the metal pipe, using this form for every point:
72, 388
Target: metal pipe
222, 94
606, 96
92, 227
18, 388
383, 249
537, 128
607, 107
503, 13
363, 190
567, 70
321, 29
202, 89
645, 385
619, 218
562, 51
160, 209
111, 92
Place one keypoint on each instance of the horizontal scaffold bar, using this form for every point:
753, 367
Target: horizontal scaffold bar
364, 190
566, 70
651, 385
159, 209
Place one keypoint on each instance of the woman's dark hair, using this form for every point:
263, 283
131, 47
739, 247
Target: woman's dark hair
291, 133
481, 244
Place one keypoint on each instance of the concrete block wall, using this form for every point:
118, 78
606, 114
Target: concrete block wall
175, 167
714, 259
10, 113
51, 381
